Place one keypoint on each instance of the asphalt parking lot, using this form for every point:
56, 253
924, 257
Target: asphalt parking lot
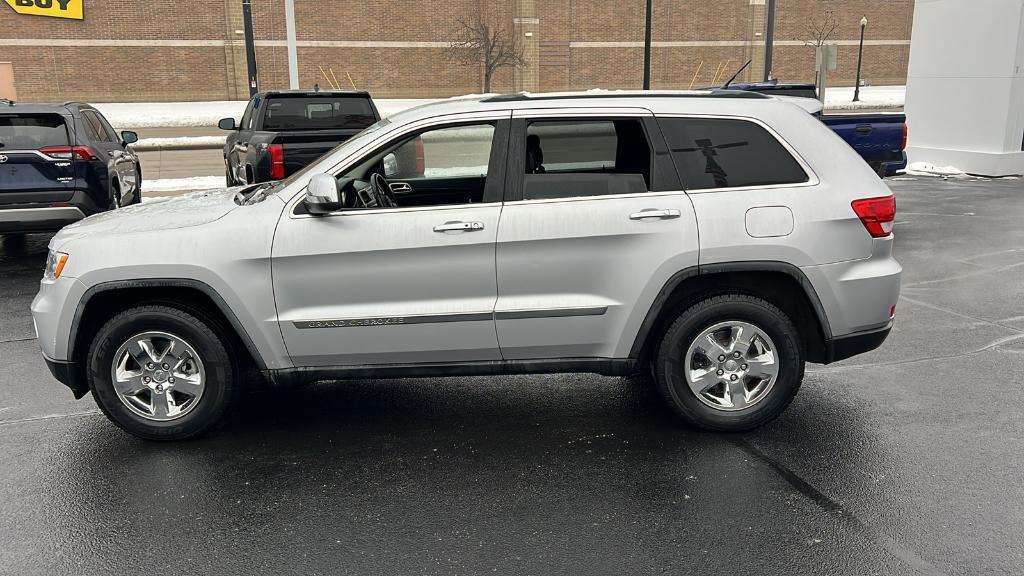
905, 461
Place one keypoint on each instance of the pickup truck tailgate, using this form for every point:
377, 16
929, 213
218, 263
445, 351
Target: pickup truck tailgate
303, 148
876, 137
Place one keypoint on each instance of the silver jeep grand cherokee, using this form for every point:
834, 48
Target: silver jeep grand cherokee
716, 240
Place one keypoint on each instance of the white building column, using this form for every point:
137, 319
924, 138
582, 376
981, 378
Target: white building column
965, 85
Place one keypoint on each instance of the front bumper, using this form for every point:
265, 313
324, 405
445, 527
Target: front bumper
68, 374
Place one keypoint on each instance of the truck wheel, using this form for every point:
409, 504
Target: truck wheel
228, 178
729, 363
161, 373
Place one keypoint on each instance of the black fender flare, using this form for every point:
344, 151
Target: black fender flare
719, 267
206, 289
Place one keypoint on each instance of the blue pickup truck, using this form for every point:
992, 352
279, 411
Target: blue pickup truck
881, 139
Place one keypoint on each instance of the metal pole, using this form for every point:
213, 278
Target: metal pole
647, 45
250, 49
860, 57
769, 38
293, 58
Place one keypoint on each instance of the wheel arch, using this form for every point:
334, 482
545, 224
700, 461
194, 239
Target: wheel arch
101, 301
780, 283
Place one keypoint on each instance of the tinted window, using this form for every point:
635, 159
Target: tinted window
716, 153
586, 158
316, 113
107, 128
32, 132
93, 127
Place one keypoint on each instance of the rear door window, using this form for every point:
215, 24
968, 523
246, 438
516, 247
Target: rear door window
107, 128
728, 153
572, 158
317, 113
93, 128
32, 131
99, 129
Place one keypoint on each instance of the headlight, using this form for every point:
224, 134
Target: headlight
55, 262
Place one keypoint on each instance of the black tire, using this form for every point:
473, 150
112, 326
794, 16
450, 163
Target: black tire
228, 178
138, 188
115, 196
208, 339
671, 352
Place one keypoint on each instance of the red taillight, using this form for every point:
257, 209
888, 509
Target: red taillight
276, 152
903, 142
877, 214
421, 164
69, 152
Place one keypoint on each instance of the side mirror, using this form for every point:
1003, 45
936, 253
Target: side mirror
390, 165
129, 137
227, 124
322, 195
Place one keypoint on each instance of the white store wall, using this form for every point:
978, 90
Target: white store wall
965, 85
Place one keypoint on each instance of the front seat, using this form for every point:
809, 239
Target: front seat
534, 155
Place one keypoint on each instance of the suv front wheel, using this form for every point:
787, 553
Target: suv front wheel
729, 363
161, 373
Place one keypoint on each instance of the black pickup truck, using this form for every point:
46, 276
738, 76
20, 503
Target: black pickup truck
283, 131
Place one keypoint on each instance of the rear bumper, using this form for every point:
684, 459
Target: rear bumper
891, 167
844, 347
41, 219
68, 374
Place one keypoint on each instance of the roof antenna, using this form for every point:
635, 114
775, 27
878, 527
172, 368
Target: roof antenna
729, 81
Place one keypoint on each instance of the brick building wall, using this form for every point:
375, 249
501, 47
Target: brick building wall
173, 50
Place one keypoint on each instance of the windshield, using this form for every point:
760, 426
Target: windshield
352, 143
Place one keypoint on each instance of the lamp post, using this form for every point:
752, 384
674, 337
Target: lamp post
647, 45
860, 58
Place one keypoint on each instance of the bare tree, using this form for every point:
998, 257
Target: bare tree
818, 32
481, 43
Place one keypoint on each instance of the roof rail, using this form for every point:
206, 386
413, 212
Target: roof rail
712, 93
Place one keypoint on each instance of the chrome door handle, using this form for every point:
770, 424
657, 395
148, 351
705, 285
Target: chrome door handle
459, 227
662, 214
400, 187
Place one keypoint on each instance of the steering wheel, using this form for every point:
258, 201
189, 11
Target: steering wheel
382, 191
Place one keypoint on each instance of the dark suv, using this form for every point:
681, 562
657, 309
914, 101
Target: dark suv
60, 163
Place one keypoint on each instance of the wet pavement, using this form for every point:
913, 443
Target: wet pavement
908, 460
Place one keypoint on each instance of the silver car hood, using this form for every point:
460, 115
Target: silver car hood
192, 209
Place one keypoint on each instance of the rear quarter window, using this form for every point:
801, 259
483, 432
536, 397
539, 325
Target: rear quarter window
32, 131
317, 113
714, 153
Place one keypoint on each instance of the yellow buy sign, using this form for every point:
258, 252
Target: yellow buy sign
54, 8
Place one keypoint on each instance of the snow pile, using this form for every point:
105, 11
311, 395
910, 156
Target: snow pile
926, 169
184, 142
178, 184
876, 97
160, 114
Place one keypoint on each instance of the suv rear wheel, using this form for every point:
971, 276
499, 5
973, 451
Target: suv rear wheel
729, 363
161, 373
